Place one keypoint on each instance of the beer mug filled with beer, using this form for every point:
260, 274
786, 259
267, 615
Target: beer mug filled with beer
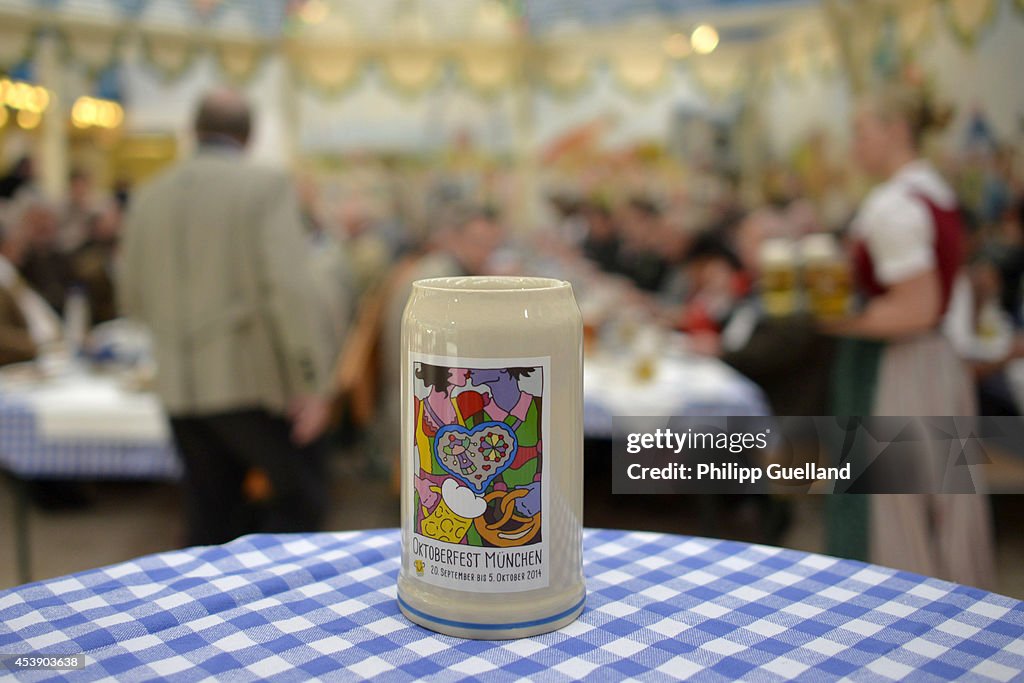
826, 276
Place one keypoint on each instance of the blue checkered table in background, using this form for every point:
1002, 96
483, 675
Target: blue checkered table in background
27, 453
659, 607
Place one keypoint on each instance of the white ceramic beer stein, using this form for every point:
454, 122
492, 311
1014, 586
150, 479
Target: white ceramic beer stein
492, 456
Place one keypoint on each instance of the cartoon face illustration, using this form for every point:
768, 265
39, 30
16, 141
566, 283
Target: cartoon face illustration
488, 376
419, 567
457, 377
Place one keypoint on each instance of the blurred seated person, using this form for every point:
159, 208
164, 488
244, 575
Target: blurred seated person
27, 325
996, 190
122, 192
640, 256
680, 232
26, 321
716, 282
78, 212
18, 180
1007, 254
601, 244
465, 248
44, 265
92, 263
367, 251
571, 219
329, 267
984, 336
785, 355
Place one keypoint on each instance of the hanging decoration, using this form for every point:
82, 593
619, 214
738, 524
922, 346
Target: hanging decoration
333, 44
411, 70
409, 59
488, 71
490, 62
324, 48
328, 71
239, 60
641, 69
563, 71
96, 47
493, 21
170, 54
968, 18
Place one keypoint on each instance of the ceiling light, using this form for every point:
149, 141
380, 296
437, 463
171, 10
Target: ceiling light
704, 39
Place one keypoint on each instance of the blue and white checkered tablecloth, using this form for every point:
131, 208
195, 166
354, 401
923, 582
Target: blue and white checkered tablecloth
25, 452
660, 607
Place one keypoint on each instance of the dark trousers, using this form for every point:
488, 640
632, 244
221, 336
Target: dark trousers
219, 450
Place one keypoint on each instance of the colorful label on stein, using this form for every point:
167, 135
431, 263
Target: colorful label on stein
480, 483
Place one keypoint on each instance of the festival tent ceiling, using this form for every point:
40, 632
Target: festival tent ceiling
331, 43
268, 18
488, 45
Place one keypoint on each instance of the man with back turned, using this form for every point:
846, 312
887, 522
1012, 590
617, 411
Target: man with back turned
213, 262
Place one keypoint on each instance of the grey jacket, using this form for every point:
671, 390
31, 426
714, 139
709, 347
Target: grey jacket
213, 261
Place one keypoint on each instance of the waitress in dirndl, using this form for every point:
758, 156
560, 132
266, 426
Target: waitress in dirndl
907, 247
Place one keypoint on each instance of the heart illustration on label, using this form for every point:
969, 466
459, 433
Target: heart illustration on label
475, 456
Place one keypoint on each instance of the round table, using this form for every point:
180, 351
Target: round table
295, 607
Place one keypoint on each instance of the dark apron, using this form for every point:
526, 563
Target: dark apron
854, 381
